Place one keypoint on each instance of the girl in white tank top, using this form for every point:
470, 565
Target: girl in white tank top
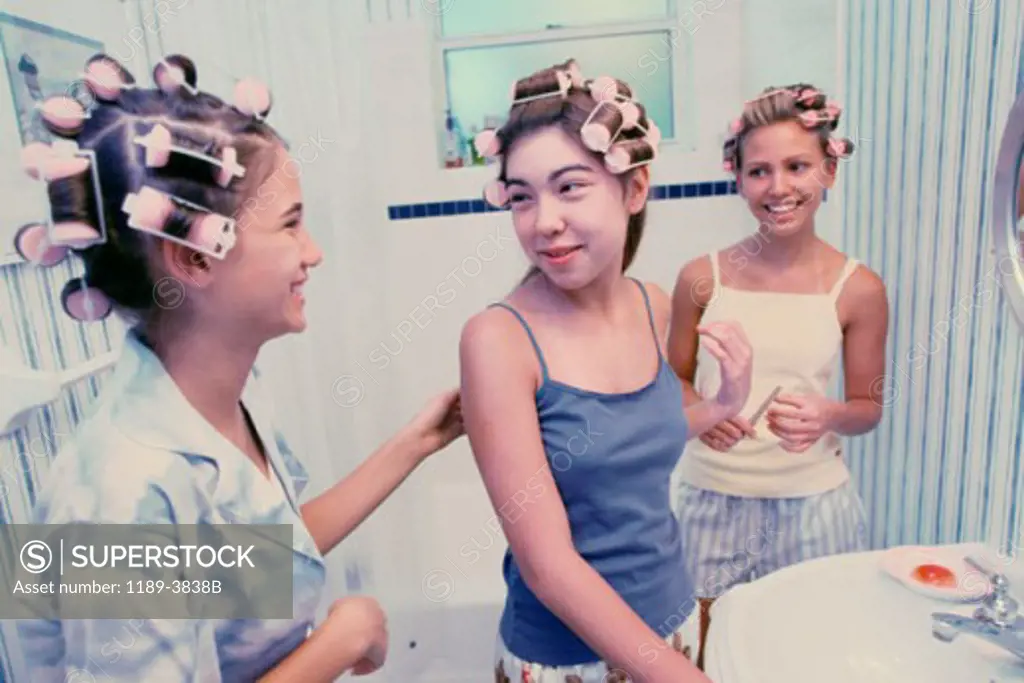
770, 488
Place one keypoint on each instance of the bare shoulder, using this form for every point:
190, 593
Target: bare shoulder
864, 297
496, 333
695, 281
661, 302
866, 287
490, 330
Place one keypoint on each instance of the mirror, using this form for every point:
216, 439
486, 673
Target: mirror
1008, 209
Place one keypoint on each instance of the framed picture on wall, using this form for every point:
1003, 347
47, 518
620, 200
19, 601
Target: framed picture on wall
40, 61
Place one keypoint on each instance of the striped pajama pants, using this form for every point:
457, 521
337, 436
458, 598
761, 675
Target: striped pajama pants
731, 540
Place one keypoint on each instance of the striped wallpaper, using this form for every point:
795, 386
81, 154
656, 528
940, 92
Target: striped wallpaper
33, 323
929, 82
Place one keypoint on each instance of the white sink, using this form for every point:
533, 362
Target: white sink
843, 620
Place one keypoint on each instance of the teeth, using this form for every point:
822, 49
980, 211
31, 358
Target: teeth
782, 207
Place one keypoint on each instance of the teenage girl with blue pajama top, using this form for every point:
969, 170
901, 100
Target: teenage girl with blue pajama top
757, 497
574, 416
186, 436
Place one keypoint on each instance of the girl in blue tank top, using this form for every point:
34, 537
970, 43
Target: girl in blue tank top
575, 418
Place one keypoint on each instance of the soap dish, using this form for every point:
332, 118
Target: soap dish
938, 573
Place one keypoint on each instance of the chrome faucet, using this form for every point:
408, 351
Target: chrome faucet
996, 620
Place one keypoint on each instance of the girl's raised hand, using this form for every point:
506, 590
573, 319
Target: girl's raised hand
727, 342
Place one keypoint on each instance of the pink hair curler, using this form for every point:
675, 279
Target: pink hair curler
496, 194
630, 113
808, 96
728, 166
572, 68
84, 303
174, 73
602, 126
210, 233
74, 234
214, 233
653, 134
523, 91
148, 210
736, 126
837, 148
487, 143
34, 156
105, 79
64, 115
157, 143
229, 167
812, 118
65, 160
33, 244
604, 89
252, 98
628, 155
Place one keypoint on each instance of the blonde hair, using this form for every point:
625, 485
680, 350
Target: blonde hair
802, 103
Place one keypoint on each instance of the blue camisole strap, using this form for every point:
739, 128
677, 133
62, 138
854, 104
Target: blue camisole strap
533, 340
650, 313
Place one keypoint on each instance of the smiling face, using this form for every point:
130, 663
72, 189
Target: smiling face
256, 291
784, 175
570, 214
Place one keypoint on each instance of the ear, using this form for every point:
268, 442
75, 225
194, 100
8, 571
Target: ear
186, 264
638, 188
829, 168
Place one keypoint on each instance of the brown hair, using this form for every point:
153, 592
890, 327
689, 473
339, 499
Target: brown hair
120, 267
569, 112
802, 103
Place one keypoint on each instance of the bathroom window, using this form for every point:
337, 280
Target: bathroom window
485, 45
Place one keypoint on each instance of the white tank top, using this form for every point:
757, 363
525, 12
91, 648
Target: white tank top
797, 342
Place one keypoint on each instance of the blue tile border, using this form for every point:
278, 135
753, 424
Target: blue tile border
401, 212
716, 188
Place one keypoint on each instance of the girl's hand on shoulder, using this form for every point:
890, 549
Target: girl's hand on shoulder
437, 425
728, 343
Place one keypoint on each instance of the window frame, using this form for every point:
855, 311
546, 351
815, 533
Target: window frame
684, 116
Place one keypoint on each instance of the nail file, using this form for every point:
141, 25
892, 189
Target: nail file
764, 406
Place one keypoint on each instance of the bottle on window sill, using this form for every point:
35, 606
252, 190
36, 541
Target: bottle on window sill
452, 143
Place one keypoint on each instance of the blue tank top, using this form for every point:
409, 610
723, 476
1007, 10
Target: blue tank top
611, 456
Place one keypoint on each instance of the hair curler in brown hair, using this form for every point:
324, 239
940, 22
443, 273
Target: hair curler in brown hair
72, 185
604, 124
64, 115
175, 73
106, 79
252, 98
548, 83
84, 303
160, 149
180, 221
629, 154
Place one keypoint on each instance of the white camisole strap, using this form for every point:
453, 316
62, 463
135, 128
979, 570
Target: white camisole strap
851, 265
716, 274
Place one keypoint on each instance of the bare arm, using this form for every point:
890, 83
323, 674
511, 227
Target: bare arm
319, 659
339, 510
501, 421
864, 342
683, 314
